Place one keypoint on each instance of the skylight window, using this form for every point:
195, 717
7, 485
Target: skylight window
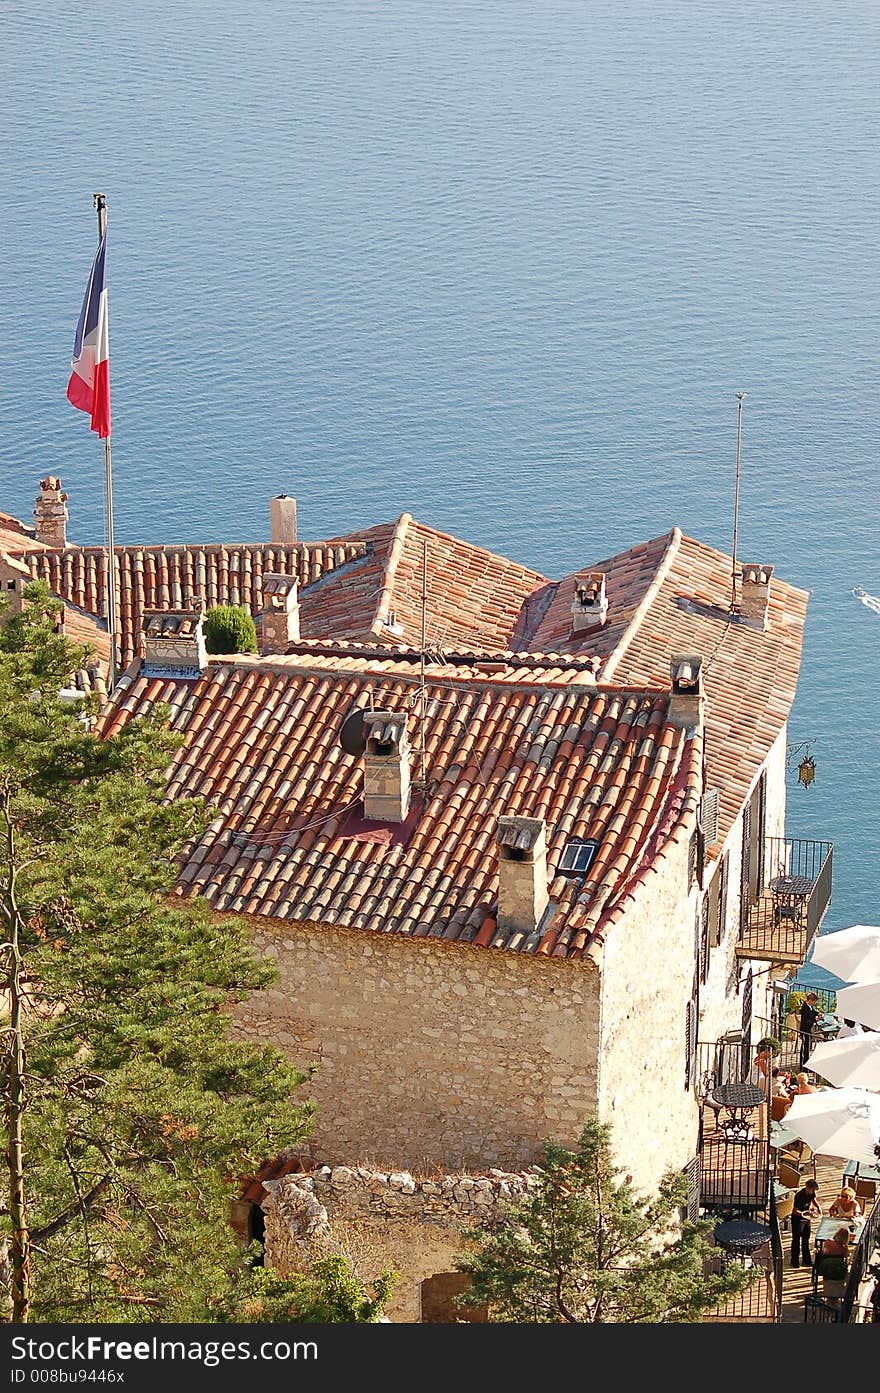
578, 856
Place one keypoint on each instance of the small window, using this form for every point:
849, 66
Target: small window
578, 856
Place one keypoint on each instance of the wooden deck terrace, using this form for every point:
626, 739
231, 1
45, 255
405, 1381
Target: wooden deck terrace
736, 1178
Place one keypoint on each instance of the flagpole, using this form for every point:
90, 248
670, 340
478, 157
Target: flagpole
100, 203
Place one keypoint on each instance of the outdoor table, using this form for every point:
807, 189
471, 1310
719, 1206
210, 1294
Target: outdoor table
791, 885
741, 1236
738, 1098
789, 894
827, 1228
858, 1170
781, 1136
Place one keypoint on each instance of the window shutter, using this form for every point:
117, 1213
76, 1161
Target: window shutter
692, 861
709, 815
690, 1044
723, 878
705, 944
691, 1173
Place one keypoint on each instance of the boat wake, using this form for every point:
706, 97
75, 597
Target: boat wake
871, 602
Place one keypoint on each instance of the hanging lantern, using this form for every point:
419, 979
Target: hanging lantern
806, 771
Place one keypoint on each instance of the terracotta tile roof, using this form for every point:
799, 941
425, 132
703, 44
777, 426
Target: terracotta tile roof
261, 744
628, 577
16, 537
749, 676
474, 597
166, 577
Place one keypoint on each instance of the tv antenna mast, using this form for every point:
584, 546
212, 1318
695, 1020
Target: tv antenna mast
734, 603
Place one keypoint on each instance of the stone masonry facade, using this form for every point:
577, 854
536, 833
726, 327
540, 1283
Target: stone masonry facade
429, 1053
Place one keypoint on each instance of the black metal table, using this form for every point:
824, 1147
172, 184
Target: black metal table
741, 1236
789, 895
738, 1098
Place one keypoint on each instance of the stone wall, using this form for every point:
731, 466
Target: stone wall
429, 1052
381, 1219
648, 971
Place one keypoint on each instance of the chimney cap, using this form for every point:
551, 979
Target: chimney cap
685, 669
182, 622
519, 833
757, 573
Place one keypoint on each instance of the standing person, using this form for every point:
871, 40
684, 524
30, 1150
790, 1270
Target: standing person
806, 1207
810, 1013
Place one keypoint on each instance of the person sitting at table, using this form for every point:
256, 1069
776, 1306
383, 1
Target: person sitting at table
802, 1085
846, 1206
780, 1097
838, 1246
806, 1207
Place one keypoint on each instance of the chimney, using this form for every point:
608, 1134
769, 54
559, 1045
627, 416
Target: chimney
14, 576
173, 643
589, 607
686, 703
282, 518
522, 873
754, 600
386, 766
280, 615
50, 513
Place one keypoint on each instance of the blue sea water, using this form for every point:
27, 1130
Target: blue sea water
503, 264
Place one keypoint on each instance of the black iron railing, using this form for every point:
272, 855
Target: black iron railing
869, 1239
784, 918
735, 1173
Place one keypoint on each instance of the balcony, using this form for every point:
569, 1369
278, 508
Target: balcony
782, 922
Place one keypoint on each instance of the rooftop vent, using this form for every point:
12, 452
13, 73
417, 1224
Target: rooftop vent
754, 601
522, 873
685, 706
174, 645
279, 625
578, 857
589, 607
386, 766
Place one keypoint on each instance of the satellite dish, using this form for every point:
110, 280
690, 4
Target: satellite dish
352, 732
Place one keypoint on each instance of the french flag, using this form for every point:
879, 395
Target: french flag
89, 385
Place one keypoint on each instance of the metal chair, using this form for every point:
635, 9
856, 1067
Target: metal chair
784, 1208
737, 1130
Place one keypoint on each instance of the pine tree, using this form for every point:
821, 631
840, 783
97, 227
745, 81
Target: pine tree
230, 629
130, 1115
583, 1248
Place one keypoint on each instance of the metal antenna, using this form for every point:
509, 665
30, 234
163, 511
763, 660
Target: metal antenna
734, 603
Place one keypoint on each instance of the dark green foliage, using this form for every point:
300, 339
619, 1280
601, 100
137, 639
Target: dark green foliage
331, 1293
584, 1248
230, 629
142, 1116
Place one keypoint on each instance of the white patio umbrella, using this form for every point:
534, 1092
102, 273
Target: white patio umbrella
851, 954
842, 1122
853, 1061
860, 1004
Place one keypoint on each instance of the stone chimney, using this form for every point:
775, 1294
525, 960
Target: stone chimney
754, 601
386, 766
14, 576
589, 608
50, 513
174, 645
280, 616
686, 703
522, 873
282, 518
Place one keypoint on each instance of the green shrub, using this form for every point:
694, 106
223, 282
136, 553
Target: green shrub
230, 629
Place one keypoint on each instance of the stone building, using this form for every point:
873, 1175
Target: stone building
509, 877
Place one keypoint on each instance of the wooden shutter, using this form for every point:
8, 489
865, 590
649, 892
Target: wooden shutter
690, 1044
709, 815
745, 877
